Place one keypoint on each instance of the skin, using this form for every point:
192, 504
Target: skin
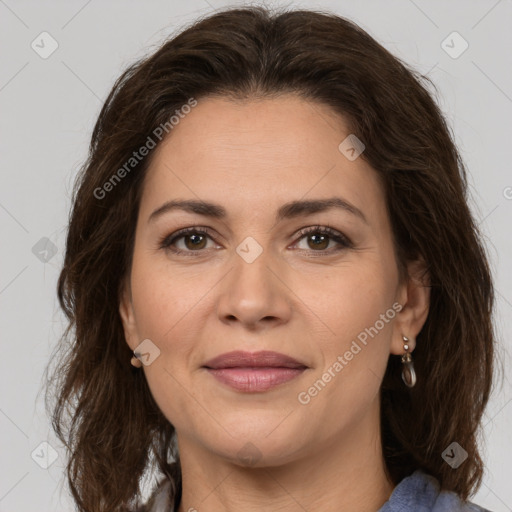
251, 157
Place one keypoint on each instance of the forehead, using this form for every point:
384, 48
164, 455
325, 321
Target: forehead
259, 154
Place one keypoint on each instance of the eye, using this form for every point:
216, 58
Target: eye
320, 237
194, 240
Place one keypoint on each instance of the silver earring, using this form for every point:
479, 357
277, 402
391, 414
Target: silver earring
408, 373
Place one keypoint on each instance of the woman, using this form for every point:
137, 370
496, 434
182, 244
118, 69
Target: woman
273, 224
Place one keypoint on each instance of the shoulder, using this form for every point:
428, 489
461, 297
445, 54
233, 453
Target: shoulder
421, 491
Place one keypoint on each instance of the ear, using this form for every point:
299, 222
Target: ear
414, 296
128, 317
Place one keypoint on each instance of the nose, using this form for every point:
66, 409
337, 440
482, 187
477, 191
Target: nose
255, 294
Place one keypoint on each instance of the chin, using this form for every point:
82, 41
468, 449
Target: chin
258, 446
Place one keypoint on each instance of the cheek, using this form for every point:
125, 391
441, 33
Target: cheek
162, 301
175, 397
165, 309
357, 309
350, 298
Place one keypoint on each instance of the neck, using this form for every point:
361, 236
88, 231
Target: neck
347, 473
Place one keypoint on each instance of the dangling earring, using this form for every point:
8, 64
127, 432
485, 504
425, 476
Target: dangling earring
408, 373
136, 361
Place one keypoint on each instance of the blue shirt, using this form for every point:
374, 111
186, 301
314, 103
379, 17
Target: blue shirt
418, 492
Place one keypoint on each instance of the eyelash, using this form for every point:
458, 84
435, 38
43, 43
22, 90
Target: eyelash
167, 241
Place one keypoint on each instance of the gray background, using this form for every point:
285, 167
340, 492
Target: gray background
48, 107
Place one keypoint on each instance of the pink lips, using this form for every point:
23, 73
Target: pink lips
254, 372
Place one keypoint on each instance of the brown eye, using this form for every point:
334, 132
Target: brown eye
197, 241
319, 241
191, 240
319, 238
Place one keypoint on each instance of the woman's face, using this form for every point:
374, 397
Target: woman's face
252, 280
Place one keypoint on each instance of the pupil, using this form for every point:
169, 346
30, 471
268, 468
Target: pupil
317, 239
196, 239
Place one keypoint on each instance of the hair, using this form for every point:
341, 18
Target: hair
115, 431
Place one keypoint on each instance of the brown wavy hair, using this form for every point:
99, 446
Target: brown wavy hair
102, 408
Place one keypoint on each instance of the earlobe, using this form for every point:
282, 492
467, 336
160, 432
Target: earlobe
415, 294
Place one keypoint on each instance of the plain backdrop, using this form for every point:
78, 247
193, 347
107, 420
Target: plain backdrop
48, 106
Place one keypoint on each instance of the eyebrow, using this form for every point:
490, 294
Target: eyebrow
289, 210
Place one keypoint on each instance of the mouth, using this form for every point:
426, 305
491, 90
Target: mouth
254, 372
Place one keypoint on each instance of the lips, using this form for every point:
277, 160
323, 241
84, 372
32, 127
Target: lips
262, 359
254, 372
